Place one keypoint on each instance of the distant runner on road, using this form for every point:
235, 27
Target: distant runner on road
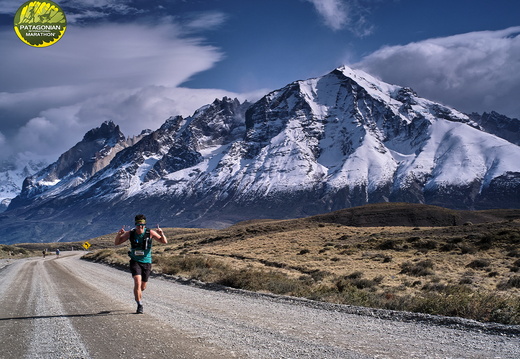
140, 253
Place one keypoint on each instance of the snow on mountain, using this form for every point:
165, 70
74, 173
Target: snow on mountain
12, 175
340, 140
349, 130
98, 147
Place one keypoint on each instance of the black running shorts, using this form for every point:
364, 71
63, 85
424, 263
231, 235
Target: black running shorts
142, 269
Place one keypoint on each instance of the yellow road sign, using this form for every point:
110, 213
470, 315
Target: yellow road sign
86, 245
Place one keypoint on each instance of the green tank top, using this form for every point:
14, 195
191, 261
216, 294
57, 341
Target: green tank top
141, 246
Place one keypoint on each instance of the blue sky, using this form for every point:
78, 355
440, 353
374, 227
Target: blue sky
138, 62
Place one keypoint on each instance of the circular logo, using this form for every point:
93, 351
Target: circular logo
40, 23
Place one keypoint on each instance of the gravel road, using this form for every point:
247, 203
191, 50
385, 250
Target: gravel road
69, 308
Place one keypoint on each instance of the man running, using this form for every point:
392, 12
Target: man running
140, 254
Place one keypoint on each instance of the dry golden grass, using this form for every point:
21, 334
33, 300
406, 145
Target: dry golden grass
300, 247
373, 251
15, 252
473, 268
469, 270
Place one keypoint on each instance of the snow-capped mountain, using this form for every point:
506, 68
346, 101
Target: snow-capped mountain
340, 140
12, 174
98, 147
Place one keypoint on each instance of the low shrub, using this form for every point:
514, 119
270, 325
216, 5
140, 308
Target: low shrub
356, 280
259, 280
461, 301
318, 275
101, 255
436, 299
468, 249
425, 245
419, 269
195, 266
513, 282
479, 264
448, 247
515, 253
456, 240
486, 242
13, 251
466, 280
390, 245
515, 267
355, 275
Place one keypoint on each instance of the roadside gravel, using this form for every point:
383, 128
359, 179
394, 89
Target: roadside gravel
267, 326
241, 324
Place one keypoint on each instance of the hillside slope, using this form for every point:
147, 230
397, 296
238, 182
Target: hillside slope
338, 141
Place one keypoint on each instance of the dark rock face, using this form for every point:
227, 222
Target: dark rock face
499, 125
98, 147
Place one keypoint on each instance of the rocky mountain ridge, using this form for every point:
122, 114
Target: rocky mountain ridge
12, 174
341, 140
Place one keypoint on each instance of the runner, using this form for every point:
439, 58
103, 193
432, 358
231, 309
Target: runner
140, 254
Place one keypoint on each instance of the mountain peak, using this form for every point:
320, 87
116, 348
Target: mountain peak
79, 163
107, 131
341, 140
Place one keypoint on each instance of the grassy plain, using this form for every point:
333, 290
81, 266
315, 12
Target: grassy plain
464, 264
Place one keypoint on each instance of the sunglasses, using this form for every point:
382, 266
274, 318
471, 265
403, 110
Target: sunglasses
140, 225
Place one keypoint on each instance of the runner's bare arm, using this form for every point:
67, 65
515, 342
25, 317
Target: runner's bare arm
159, 235
121, 236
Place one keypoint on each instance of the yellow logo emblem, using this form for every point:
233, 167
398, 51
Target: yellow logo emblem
40, 23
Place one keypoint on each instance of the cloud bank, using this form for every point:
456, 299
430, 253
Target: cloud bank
473, 72
118, 62
128, 73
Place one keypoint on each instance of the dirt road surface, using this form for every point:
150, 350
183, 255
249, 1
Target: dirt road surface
69, 308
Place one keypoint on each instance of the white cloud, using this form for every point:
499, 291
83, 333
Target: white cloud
333, 12
207, 21
473, 72
126, 55
127, 73
346, 14
58, 129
